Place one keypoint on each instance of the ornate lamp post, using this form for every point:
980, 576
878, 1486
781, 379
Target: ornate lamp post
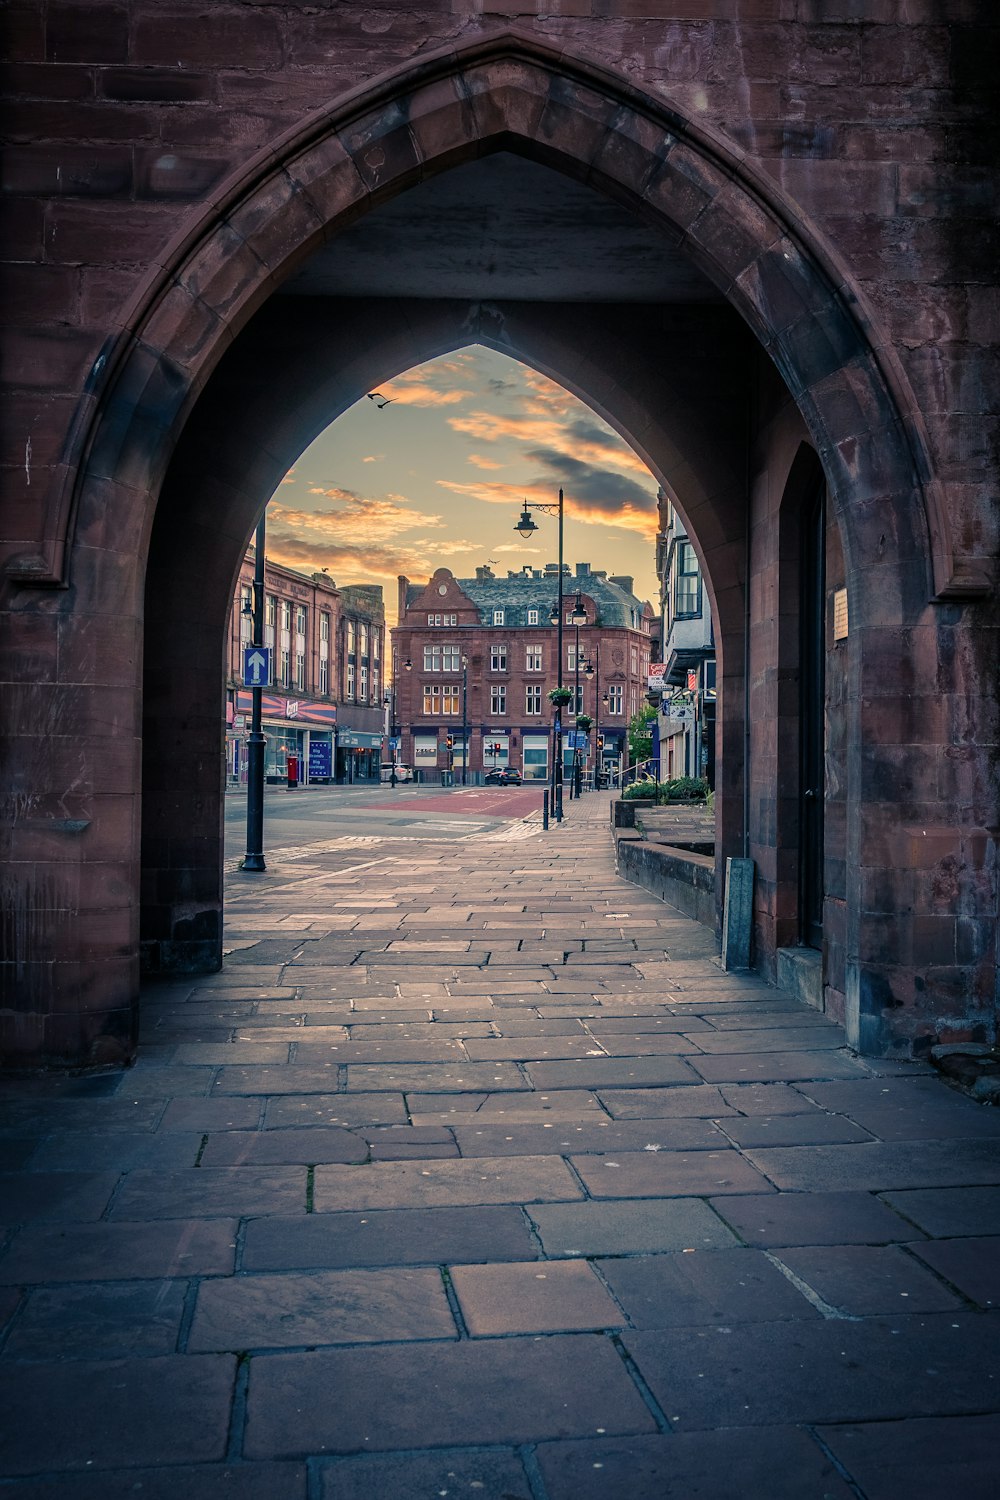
254, 857
577, 618
465, 718
525, 527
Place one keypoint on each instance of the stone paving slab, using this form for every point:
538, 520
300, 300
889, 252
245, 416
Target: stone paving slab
781, 1463
244, 1148
745, 1067
211, 1192
263, 1481
904, 1109
665, 1103
503, 1391
813, 1219
525, 1179
434, 1077
167, 1394
668, 1174
93, 1252
107, 1321
483, 1474
972, 1265
867, 1281
321, 1308
703, 1286
533, 1297
831, 1371
920, 1459
600, 1135
628, 1228
83, 1152
291, 1111
609, 1073
67, 1196
387, 1237
941, 1212
792, 1130
500, 1108
906, 1164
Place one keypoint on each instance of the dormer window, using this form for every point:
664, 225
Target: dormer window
498, 617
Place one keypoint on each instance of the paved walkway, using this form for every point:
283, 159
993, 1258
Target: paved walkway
472, 1175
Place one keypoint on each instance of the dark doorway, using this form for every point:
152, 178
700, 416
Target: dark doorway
812, 717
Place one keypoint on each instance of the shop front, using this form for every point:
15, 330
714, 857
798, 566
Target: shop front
358, 756
299, 734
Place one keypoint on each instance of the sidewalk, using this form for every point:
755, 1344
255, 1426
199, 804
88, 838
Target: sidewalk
473, 1175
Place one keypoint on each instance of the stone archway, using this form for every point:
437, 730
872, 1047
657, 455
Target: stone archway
502, 94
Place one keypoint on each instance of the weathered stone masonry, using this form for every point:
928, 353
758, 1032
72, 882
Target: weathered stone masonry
830, 172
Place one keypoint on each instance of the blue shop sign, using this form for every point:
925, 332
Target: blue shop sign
320, 759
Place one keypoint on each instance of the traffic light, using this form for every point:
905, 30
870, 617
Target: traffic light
600, 742
449, 741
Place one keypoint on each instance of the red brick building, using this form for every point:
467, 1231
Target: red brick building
758, 238
475, 658
324, 706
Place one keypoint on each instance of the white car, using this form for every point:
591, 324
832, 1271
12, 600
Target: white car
403, 773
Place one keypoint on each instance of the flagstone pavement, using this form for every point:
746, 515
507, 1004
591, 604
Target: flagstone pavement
473, 1175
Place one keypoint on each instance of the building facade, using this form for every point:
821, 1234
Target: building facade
322, 709
686, 684
475, 658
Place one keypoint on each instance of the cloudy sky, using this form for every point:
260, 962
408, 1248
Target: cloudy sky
436, 478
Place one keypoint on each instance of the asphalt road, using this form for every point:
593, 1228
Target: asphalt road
320, 814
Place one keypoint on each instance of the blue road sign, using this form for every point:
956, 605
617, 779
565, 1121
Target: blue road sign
257, 666
393, 744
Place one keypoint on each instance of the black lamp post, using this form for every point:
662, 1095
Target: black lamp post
465, 718
253, 859
578, 617
525, 527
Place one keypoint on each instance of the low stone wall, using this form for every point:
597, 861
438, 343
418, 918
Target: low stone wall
678, 877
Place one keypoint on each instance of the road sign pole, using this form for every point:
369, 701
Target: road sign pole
254, 857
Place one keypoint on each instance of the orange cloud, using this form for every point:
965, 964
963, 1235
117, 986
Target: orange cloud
484, 463
623, 514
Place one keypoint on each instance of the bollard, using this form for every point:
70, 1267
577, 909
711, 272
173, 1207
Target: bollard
545, 809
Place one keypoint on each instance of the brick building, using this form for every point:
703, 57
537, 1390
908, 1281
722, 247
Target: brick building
758, 238
323, 707
686, 718
482, 655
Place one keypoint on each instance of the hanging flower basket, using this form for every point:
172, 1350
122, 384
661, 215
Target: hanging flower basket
560, 696
584, 722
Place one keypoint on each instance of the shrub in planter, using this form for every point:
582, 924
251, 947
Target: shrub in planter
684, 789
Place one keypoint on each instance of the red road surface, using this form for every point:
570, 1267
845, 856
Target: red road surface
472, 802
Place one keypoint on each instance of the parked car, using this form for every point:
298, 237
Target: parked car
503, 776
403, 773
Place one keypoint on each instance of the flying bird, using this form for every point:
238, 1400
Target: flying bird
379, 399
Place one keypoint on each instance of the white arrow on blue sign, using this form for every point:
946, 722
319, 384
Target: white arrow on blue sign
257, 666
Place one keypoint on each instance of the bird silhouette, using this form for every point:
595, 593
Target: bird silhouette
379, 399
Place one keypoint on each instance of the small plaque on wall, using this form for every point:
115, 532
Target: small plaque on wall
840, 615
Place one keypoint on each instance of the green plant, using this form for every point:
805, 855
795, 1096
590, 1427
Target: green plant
560, 696
644, 787
584, 722
640, 734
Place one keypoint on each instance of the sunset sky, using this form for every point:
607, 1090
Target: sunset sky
437, 479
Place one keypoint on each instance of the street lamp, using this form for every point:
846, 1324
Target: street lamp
465, 717
253, 859
525, 527
578, 617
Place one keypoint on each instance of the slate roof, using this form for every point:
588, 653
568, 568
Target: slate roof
516, 595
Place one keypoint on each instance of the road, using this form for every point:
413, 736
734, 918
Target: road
320, 815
